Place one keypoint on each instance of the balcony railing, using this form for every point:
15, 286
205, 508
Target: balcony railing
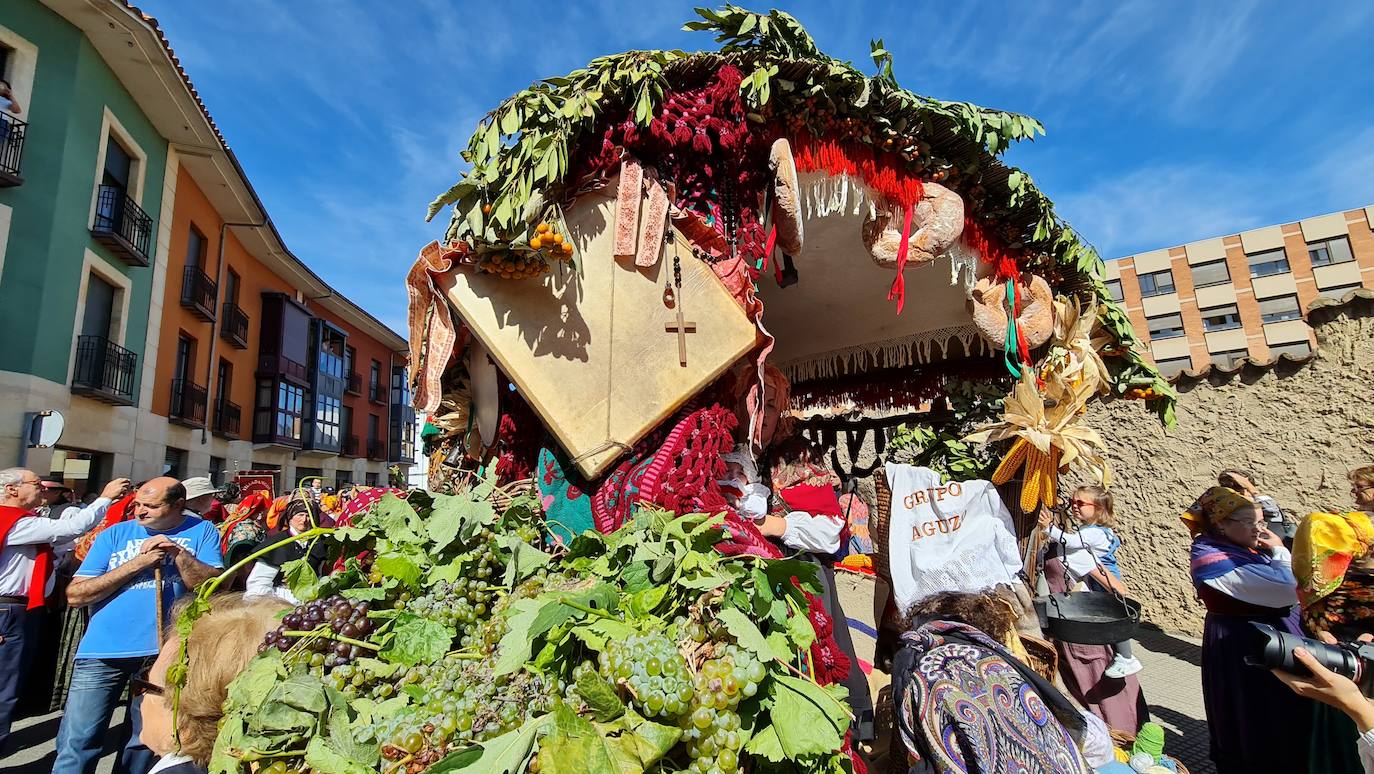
376, 450
104, 371
376, 394
198, 293
121, 225
283, 366
355, 384
350, 446
233, 326
12, 132
228, 417
188, 403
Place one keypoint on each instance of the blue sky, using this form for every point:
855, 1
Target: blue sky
1166, 121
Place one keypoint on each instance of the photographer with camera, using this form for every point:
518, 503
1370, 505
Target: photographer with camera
1338, 691
1243, 574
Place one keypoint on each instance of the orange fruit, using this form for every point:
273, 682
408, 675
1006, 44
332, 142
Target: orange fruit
536, 243
542, 228
486, 209
558, 239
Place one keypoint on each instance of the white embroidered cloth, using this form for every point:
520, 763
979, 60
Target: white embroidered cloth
946, 537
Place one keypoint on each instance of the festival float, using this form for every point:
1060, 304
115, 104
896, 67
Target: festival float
659, 264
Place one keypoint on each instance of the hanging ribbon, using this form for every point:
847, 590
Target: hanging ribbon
1013, 345
898, 290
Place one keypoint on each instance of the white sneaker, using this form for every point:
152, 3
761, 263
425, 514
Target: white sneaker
1123, 667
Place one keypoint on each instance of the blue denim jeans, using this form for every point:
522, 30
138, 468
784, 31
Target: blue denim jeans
97, 684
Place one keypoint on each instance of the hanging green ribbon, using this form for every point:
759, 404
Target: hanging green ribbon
1009, 348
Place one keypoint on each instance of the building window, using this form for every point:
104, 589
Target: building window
1165, 326
231, 286
331, 357
350, 361
1157, 283
1173, 365
216, 471
371, 479
374, 382
195, 248
174, 463
1298, 349
342, 480
327, 417
1210, 273
186, 354
1229, 358
1220, 318
374, 424
1114, 288
1278, 309
1268, 263
1339, 291
277, 416
1329, 251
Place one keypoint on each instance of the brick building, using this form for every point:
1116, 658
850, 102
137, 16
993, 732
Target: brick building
1219, 300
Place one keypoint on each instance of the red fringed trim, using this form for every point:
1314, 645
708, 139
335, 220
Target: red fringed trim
1003, 260
884, 173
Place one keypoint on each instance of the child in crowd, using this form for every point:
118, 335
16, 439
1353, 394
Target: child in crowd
1090, 555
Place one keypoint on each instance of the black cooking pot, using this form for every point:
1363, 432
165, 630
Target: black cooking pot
1091, 617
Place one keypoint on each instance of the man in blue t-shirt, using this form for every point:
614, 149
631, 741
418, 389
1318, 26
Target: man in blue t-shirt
117, 580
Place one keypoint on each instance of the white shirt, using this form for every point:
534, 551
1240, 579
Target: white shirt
1365, 746
1080, 547
262, 582
21, 547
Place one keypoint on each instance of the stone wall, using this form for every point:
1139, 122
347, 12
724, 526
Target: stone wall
1299, 426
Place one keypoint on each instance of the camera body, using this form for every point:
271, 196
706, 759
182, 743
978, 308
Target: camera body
1349, 659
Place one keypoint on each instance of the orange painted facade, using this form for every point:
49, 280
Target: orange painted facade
193, 210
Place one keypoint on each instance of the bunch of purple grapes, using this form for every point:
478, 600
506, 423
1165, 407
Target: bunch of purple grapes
336, 615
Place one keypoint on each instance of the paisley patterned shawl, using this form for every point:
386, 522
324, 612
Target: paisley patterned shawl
966, 705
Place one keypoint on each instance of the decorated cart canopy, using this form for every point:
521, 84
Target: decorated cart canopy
628, 232
656, 265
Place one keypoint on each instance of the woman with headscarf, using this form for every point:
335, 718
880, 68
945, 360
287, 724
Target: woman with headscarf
1334, 566
1243, 575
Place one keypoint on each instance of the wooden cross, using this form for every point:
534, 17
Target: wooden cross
682, 328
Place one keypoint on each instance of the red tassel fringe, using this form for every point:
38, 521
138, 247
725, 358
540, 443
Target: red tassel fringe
884, 173
1003, 260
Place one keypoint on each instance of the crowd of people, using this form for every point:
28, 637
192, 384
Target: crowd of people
122, 559
92, 585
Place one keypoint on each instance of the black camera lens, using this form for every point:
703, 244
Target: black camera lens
1276, 652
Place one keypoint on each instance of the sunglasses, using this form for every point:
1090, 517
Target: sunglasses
1357, 489
141, 687
1081, 503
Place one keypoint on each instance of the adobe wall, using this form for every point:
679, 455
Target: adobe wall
1298, 427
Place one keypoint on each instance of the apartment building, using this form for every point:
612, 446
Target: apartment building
146, 295
1219, 300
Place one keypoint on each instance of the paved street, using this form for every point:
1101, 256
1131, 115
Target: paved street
1172, 682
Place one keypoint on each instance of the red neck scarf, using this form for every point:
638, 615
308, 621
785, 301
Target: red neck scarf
42, 564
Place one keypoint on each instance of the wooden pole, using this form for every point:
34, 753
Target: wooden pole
157, 600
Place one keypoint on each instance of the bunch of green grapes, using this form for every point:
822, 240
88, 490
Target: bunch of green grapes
711, 729
459, 604
460, 702
653, 670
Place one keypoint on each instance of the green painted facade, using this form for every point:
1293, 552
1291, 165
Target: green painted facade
51, 212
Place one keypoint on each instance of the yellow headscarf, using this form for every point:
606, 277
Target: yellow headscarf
1324, 547
1212, 507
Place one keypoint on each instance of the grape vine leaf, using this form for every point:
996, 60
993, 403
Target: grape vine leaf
398, 566
745, 633
455, 516
506, 754
574, 745
808, 719
524, 559
641, 743
415, 640
321, 756
301, 578
600, 696
393, 517
766, 744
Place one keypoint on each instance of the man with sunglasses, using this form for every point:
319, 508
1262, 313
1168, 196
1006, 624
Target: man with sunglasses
26, 569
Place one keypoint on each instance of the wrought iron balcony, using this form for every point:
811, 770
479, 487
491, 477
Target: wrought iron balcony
104, 371
233, 326
376, 394
198, 293
350, 446
121, 225
355, 384
228, 417
376, 450
12, 132
188, 403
